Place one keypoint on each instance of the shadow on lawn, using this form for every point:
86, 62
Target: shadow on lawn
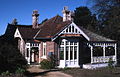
33, 74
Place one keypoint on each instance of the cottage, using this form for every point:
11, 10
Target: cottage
72, 45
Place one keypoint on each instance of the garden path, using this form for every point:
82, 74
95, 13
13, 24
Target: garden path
35, 71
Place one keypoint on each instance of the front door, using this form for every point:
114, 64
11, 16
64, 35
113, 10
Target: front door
34, 55
69, 50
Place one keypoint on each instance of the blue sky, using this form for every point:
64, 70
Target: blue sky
22, 10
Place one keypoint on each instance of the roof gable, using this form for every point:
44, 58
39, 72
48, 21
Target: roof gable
17, 34
27, 33
72, 28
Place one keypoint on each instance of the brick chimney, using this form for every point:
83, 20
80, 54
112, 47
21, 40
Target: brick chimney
35, 19
67, 15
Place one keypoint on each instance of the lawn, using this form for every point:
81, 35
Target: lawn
101, 72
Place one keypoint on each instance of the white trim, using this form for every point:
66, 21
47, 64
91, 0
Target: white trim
17, 34
44, 51
70, 62
79, 31
36, 34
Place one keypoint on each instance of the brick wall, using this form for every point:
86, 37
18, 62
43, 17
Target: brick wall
50, 47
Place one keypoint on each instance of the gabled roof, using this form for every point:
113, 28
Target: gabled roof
27, 33
51, 27
94, 36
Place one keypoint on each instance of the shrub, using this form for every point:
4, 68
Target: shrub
10, 58
7, 73
20, 71
46, 64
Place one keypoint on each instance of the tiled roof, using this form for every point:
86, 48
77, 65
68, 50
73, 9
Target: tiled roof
27, 33
51, 27
94, 36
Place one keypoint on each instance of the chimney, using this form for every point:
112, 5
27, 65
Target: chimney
35, 19
14, 22
67, 15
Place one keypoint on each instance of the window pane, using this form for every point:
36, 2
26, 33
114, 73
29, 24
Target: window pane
62, 43
67, 49
71, 52
97, 51
71, 43
109, 51
27, 52
61, 53
75, 52
67, 43
75, 43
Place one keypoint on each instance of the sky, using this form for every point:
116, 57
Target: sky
22, 10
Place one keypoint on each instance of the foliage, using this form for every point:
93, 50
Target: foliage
46, 64
20, 71
84, 18
110, 63
10, 56
108, 12
6, 73
50, 63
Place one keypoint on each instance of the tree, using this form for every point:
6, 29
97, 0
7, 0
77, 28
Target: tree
84, 18
108, 12
10, 57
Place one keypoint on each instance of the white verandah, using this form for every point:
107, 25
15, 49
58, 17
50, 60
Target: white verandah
106, 54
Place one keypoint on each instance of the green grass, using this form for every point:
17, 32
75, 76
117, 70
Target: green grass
101, 72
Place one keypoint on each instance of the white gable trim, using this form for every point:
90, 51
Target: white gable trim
72, 29
81, 32
17, 34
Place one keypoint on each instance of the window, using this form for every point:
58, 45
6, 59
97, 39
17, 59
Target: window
44, 49
75, 52
109, 51
71, 52
27, 53
62, 43
67, 43
98, 51
61, 53
67, 49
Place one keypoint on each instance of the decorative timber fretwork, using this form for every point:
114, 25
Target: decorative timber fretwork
71, 29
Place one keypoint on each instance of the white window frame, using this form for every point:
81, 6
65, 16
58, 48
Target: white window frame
44, 51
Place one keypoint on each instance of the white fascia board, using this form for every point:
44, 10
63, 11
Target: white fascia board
17, 34
59, 33
81, 32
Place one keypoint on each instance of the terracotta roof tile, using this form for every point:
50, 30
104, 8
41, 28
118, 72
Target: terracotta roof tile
51, 27
27, 33
94, 36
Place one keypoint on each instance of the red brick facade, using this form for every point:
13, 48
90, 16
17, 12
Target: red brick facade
50, 47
